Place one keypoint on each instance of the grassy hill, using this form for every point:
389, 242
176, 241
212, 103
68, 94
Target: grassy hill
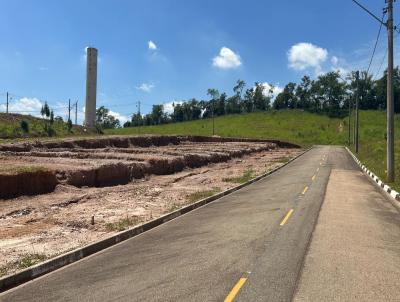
10, 127
303, 128
298, 127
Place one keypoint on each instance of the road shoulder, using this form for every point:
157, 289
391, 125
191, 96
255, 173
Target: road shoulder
354, 253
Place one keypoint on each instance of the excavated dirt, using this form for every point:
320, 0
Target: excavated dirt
118, 181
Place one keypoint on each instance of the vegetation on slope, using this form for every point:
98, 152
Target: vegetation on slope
372, 148
295, 126
14, 126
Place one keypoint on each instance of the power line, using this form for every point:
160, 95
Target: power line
380, 66
369, 12
376, 43
384, 56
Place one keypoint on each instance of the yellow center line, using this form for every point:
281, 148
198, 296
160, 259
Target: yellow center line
235, 290
318, 169
286, 217
313, 178
305, 190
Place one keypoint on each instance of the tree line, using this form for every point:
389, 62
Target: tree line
329, 94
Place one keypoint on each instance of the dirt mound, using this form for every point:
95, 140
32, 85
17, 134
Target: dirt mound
112, 161
27, 183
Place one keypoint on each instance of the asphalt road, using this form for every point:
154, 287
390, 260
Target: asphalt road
249, 245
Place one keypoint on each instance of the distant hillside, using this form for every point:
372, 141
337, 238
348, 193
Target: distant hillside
11, 128
296, 126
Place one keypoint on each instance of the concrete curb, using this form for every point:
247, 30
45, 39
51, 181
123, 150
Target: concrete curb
395, 196
48, 266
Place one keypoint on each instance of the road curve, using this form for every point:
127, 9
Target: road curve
247, 246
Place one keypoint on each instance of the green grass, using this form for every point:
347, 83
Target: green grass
294, 126
30, 260
247, 175
372, 148
24, 262
10, 128
123, 224
202, 194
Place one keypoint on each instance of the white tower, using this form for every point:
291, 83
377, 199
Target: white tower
91, 86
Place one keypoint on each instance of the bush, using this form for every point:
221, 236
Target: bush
25, 126
69, 125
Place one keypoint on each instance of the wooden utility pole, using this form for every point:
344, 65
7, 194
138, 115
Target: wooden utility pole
213, 122
390, 96
69, 109
76, 113
390, 174
139, 115
349, 121
356, 115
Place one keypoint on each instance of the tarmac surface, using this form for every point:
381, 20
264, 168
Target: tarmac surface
252, 245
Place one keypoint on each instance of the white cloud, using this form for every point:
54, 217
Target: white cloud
24, 105
276, 89
146, 87
334, 60
227, 59
152, 45
169, 108
122, 118
306, 55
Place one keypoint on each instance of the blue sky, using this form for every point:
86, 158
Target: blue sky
195, 45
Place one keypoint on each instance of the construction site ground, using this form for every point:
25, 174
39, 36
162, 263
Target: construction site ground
86, 206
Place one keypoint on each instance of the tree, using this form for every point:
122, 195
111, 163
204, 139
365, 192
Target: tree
303, 93
287, 98
380, 90
51, 117
248, 105
328, 93
69, 125
25, 126
238, 88
157, 114
105, 120
220, 105
137, 120
45, 111
260, 100
214, 94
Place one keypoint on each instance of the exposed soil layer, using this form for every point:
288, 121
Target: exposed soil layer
113, 161
119, 186
28, 182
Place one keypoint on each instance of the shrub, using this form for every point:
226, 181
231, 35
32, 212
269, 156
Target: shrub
25, 126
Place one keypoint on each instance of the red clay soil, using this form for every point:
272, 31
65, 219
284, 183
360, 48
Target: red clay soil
30, 183
113, 161
46, 225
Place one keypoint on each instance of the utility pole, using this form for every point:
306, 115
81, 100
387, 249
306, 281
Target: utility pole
349, 121
76, 113
7, 104
139, 115
213, 123
390, 174
390, 96
356, 116
69, 109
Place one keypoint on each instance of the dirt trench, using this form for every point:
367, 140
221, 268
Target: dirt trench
113, 161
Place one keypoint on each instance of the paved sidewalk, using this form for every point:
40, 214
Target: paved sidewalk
354, 253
